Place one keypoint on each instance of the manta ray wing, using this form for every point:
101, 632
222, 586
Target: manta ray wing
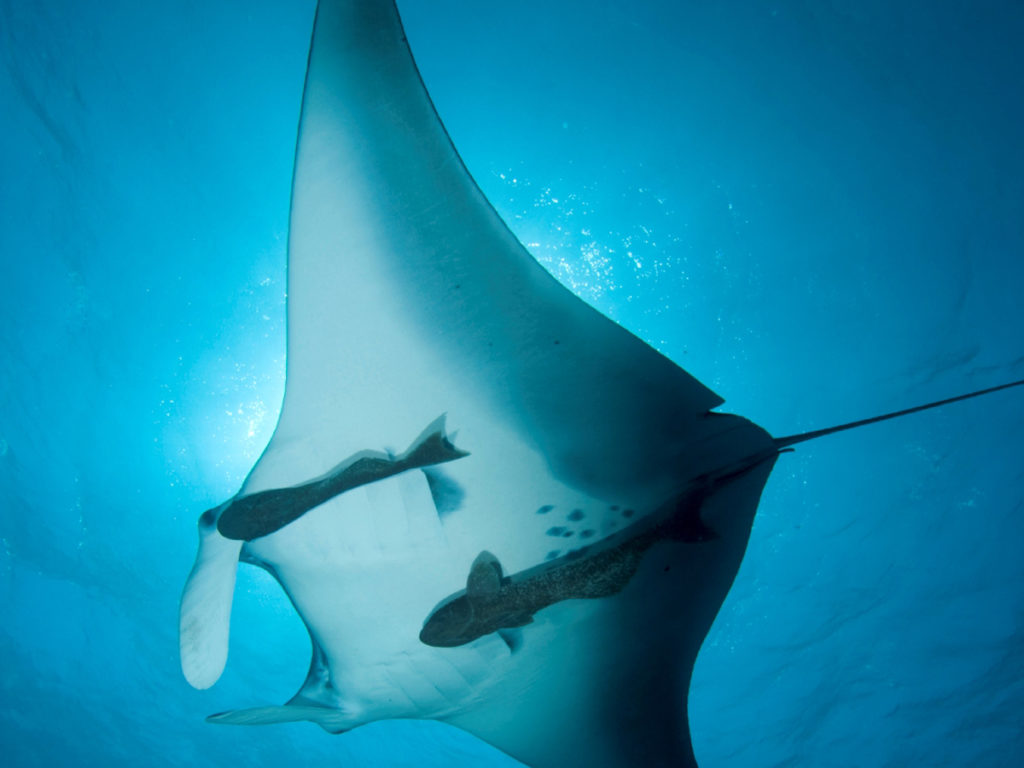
408, 297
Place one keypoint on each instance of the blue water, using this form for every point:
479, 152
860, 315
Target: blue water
815, 208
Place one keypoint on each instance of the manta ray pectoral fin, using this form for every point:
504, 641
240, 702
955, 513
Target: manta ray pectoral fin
205, 615
484, 576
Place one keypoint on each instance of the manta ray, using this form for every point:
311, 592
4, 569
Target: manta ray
490, 504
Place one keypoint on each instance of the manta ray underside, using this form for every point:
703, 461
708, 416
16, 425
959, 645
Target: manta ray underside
489, 504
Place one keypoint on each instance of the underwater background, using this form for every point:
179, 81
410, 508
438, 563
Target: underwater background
816, 208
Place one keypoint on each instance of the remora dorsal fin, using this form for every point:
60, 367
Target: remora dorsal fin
484, 576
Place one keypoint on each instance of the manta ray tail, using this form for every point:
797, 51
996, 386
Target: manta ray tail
784, 442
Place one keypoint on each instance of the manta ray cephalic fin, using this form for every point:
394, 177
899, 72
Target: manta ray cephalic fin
205, 615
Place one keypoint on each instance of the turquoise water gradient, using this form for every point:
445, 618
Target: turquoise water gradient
816, 208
